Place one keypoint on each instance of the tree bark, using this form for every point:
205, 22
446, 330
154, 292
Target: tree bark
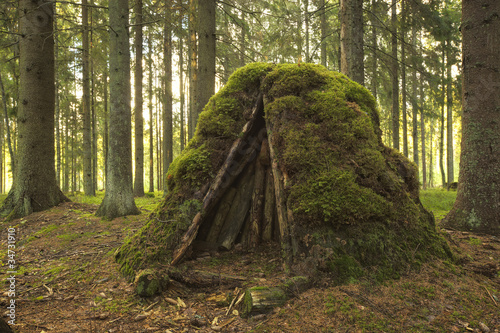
441, 123
88, 187
323, 27
151, 119
35, 187
167, 105
449, 119
138, 118
394, 78
181, 80
403, 78
119, 198
193, 70
206, 54
351, 40
422, 130
477, 205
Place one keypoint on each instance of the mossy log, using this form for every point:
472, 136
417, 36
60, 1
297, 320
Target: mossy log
262, 300
243, 150
259, 300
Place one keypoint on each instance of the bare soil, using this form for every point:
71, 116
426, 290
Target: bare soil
68, 281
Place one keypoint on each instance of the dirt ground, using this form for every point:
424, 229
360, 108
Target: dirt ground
67, 281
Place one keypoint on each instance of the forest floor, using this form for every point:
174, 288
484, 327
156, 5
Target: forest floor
67, 281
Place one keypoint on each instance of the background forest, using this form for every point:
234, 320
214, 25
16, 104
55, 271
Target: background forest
410, 61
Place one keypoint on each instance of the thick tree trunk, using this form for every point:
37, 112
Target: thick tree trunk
139, 119
35, 187
351, 40
206, 52
119, 198
477, 206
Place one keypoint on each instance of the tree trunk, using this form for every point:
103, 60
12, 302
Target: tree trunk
422, 130
181, 79
449, 119
138, 118
351, 40
441, 124
7, 126
35, 187
477, 206
167, 104
403, 78
323, 28
119, 198
374, 24
193, 70
206, 52
151, 121
105, 138
88, 187
394, 78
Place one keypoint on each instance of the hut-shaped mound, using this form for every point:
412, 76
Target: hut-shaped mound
293, 154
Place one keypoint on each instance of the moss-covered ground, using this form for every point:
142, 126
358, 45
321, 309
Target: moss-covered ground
68, 281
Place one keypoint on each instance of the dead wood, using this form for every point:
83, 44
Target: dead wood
239, 209
220, 216
243, 150
269, 207
280, 200
258, 196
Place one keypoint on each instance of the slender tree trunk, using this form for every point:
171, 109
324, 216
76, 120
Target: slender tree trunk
351, 40
306, 19
58, 109
243, 43
181, 81
193, 69
151, 119
374, 23
167, 105
119, 198
394, 78
105, 139
431, 154
403, 78
449, 118
87, 137
35, 187
7, 126
323, 31
441, 123
477, 205
138, 117
422, 130
206, 56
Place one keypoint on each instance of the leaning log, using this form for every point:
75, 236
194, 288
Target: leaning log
280, 200
257, 207
243, 150
269, 207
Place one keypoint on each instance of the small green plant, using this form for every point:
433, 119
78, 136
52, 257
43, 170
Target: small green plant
438, 201
474, 241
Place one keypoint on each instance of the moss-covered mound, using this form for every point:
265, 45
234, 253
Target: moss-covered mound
340, 202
